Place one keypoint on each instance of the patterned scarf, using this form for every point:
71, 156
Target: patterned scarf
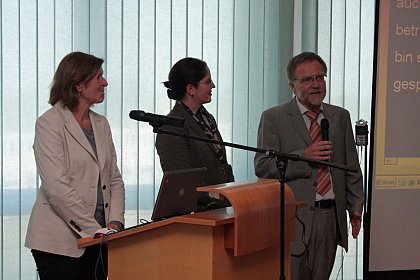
208, 125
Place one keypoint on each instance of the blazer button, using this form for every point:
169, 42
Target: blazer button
106, 205
103, 187
315, 184
76, 226
312, 208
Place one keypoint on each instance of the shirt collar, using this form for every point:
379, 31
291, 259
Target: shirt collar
303, 109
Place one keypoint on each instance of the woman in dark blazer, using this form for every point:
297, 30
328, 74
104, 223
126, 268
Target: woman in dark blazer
81, 186
190, 84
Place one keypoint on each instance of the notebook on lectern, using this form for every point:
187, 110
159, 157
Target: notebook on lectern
177, 193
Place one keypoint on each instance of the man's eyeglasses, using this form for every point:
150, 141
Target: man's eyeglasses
308, 80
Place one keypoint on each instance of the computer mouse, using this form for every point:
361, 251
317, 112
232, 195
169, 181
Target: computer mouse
103, 232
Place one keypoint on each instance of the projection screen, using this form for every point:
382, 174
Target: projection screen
392, 220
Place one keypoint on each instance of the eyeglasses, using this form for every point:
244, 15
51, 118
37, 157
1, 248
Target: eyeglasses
308, 80
207, 82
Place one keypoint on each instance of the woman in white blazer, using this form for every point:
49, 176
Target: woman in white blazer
81, 186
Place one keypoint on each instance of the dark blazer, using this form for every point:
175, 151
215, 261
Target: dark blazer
179, 153
69, 170
283, 129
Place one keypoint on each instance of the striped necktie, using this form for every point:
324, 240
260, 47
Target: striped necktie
323, 177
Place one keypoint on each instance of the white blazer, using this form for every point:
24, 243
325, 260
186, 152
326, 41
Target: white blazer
69, 170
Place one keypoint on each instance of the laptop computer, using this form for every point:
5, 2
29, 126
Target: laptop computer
177, 194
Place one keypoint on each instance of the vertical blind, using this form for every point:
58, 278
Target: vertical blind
246, 44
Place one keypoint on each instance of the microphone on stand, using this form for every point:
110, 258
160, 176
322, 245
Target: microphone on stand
156, 120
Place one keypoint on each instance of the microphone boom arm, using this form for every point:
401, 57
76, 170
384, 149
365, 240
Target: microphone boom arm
278, 155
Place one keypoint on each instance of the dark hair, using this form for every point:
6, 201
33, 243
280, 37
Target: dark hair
301, 58
74, 68
186, 71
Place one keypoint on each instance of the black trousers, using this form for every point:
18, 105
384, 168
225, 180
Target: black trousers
92, 265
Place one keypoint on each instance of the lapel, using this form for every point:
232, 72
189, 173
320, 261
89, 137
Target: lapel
74, 129
195, 128
296, 119
298, 123
101, 137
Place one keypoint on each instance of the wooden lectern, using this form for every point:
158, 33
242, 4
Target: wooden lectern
238, 242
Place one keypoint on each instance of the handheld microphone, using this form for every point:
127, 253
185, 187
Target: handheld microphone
325, 125
156, 120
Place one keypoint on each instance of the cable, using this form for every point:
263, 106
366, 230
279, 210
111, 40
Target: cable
360, 154
303, 235
341, 267
144, 221
100, 258
305, 250
342, 261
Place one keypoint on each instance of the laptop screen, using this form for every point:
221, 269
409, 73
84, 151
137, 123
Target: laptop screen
177, 193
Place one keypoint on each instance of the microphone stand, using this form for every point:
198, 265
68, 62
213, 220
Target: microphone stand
281, 164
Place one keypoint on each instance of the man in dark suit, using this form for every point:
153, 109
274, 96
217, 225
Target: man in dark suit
294, 128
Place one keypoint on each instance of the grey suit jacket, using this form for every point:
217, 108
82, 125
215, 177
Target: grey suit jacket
69, 171
177, 153
283, 129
